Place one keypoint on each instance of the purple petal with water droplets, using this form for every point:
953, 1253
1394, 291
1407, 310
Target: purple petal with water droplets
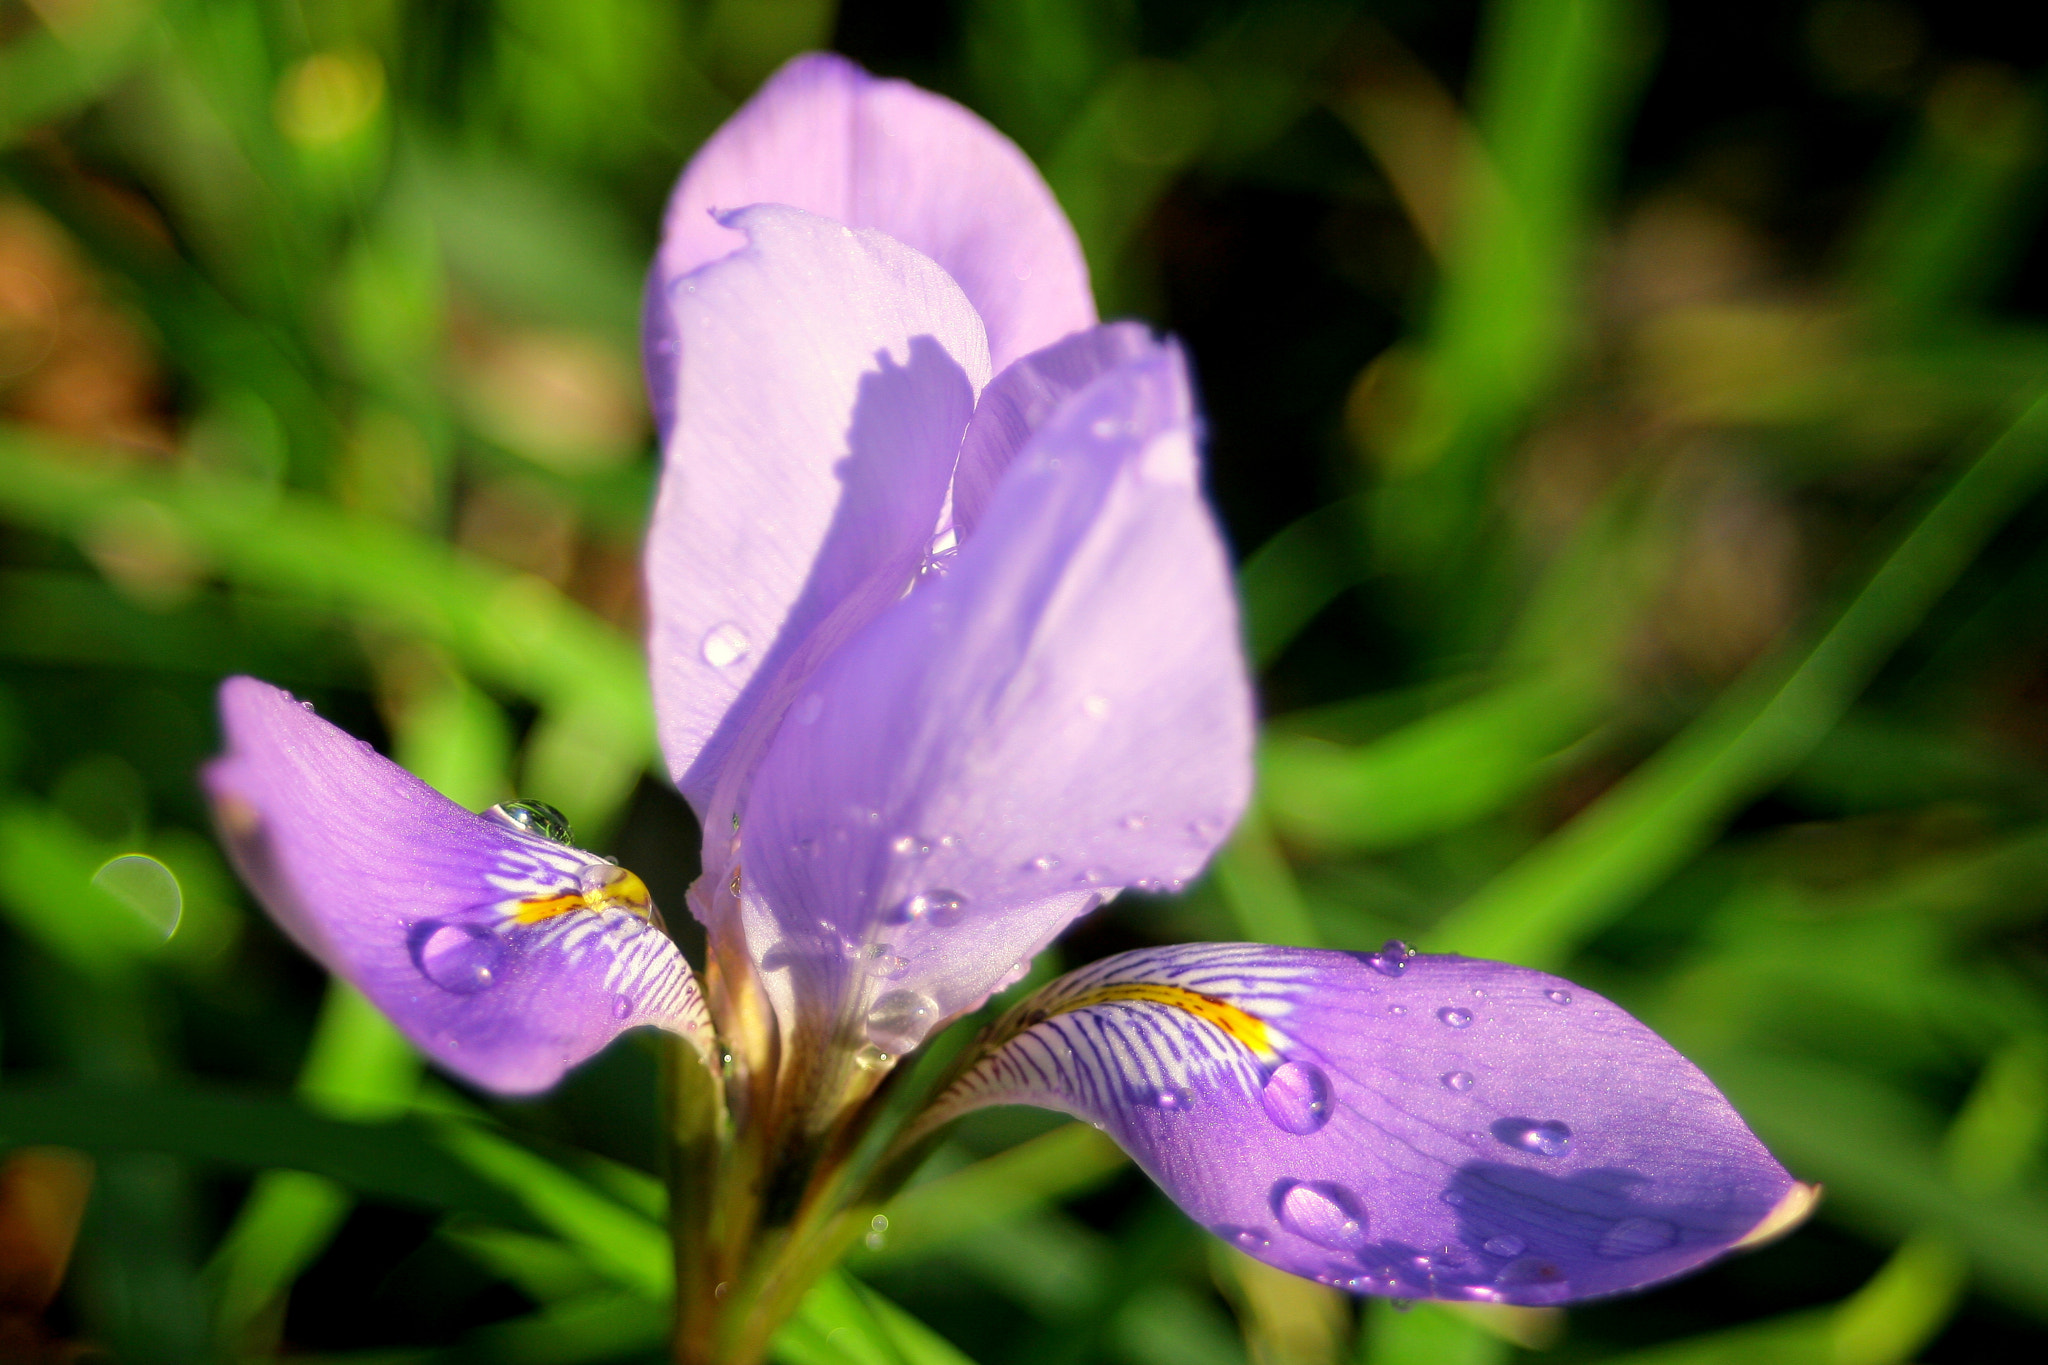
416, 902
824, 136
831, 376
1315, 1128
1062, 712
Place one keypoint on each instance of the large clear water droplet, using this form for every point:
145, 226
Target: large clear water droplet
1391, 959
1507, 1244
1460, 1081
940, 908
1454, 1016
531, 817
725, 644
1558, 997
1297, 1097
899, 1020
1545, 1137
145, 886
1636, 1237
1322, 1212
461, 959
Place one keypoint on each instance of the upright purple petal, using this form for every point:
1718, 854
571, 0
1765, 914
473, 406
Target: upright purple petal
1415, 1126
824, 136
830, 374
1060, 709
505, 957
1024, 397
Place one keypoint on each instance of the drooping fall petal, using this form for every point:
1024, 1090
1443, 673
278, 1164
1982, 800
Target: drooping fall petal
504, 956
830, 374
824, 136
1058, 710
1416, 1126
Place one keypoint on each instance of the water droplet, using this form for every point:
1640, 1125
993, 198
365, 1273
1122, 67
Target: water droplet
1134, 822
1452, 1197
898, 1021
622, 1005
1044, 862
873, 1240
1545, 1137
1636, 1237
1095, 706
1250, 1239
1397, 1009
1391, 959
884, 963
1507, 1244
1297, 1097
1171, 1098
1455, 1017
461, 959
146, 887
1532, 1280
725, 644
868, 1057
1322, 1212
532, 817
1558, 997
940, 908
1460, 1081
808, 708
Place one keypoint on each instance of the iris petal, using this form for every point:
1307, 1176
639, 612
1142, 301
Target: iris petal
1056, 712
831, 374
504, 956
1416, 1126
824, 136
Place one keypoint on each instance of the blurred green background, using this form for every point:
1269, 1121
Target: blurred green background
1628, 418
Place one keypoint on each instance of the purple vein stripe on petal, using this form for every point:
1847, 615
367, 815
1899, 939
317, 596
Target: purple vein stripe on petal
824, 136
830, 375
1057, 711
505, 957
1414, 1126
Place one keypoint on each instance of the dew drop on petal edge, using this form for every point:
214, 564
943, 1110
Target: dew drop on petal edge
461, 959
899, 1020
1391, 959
532, 817
1558, 997
1545, 1137
1455, 1017
1297, 1097
1321, 1212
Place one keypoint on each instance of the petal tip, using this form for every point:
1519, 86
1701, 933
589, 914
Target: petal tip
1785, 1215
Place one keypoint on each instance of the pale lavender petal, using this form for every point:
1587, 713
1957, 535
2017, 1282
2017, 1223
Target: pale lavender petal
1416, 1126
505, 957
830, 375
825, 136
1024, 397
1059, 710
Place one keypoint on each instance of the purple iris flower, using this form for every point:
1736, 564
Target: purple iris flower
945, 655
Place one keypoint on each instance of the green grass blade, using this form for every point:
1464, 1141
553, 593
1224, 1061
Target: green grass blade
1542, 907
